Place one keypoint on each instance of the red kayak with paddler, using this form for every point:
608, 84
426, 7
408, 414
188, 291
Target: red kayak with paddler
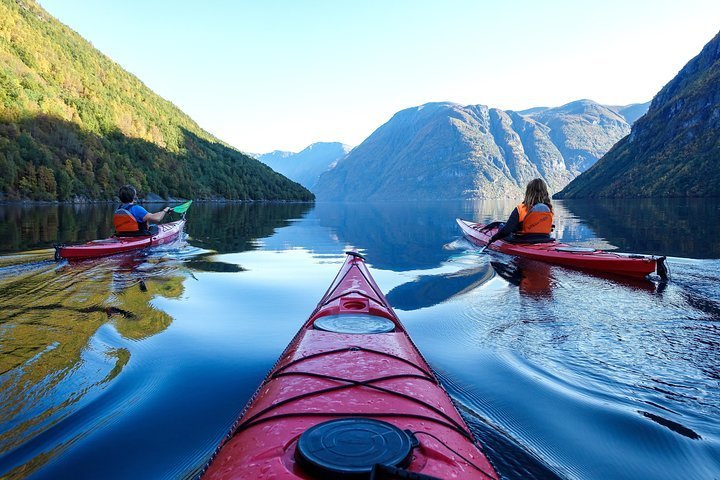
558, 253
123, 242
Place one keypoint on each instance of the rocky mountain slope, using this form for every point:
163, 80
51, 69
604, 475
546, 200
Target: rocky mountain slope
674, 149
631, 113
75, 126
447, 151
306, 166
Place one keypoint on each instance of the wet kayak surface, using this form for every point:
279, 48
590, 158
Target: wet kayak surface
559, 373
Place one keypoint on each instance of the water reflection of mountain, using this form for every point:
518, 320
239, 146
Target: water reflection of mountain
429, 290
52, 361
392, 235
399, 236
26, 227
681, 227
395, 236
410, 235
235, 227
224, 227
307, 234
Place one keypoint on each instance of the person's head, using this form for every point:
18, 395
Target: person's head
536, 192
127, 194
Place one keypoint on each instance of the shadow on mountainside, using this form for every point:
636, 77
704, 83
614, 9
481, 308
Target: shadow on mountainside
47, 158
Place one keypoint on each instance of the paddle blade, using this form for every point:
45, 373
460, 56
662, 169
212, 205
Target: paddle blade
182, 208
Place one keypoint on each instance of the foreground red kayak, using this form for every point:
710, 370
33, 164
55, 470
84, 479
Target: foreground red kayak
350, 398
638, 266
167, 232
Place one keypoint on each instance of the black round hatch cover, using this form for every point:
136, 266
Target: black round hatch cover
348, 448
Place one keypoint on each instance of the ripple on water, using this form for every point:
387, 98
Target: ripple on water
69, 331
592, 368
557, 371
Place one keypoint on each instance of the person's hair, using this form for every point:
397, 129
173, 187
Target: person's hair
127, 193
536, 192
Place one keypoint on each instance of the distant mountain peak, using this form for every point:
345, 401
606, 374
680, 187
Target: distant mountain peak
306, 166
334, 146
447, 150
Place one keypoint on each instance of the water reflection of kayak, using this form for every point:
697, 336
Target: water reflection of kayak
351, 397
167, 232
638, 266
429, 290
533, 278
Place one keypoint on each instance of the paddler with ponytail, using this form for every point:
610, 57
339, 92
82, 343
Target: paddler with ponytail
134, 220
532, 220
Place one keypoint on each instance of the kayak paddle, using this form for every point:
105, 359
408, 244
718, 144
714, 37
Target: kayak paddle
181, 208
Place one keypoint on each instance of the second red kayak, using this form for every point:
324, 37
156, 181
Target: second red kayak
630, 265
350, 398
167, 232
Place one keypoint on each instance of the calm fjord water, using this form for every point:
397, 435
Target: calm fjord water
559, 373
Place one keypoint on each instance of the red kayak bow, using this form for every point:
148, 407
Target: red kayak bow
350, 398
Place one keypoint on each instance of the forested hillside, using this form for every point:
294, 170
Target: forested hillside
75, 125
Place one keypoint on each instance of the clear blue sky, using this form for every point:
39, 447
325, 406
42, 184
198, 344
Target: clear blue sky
282, 74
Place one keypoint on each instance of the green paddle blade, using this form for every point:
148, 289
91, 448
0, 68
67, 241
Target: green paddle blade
182, 208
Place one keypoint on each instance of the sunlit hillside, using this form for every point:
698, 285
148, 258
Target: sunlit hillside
75, 125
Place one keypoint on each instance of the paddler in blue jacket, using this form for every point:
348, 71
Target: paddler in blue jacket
531, 221
134, 220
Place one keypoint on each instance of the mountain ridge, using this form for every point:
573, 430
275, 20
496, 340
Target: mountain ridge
446, 150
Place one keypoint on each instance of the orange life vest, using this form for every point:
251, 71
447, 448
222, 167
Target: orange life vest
534, 222
125, 222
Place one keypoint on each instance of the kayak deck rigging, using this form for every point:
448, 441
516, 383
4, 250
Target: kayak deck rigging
350, 383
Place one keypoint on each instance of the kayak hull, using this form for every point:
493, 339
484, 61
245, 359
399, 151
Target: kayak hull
167, 232
557, 253
328, 376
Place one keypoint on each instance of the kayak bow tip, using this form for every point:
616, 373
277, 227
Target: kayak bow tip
355, 254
